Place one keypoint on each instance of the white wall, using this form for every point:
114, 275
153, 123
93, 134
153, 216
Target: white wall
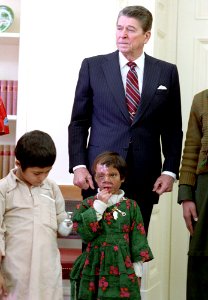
55, 38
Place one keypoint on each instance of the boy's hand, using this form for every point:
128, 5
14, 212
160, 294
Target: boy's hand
3, 289
104, 195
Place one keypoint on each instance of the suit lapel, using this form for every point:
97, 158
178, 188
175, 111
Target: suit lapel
150, 84
112, 73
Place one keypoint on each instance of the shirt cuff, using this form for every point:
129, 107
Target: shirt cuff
79, 166
138, 268
170, 174
99, 206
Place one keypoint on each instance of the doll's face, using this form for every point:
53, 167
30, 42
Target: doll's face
108, 178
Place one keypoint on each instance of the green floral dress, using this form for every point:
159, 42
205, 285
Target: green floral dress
105, 269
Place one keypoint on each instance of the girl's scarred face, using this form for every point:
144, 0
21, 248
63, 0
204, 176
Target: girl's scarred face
108, 178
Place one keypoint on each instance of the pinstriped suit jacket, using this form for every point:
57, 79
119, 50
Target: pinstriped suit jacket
100, 119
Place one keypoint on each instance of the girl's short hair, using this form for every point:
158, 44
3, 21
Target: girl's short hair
113, 159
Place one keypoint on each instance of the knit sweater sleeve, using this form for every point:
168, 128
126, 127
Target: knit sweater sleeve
192, 145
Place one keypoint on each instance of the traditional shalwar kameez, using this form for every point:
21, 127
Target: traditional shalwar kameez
29, 218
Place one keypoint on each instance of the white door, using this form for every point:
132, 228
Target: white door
181, 37
192, 62
156, 280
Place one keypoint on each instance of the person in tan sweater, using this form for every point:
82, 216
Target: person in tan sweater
193, 194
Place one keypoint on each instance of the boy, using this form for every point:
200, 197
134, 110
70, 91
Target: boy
31, 210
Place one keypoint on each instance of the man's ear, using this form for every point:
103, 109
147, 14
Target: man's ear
147, 36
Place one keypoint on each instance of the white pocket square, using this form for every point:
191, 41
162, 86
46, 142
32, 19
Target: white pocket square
162, 87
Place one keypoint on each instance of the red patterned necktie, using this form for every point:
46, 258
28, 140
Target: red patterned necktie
132, 90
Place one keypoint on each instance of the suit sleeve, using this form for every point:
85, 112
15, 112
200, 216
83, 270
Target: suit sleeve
172, 134
78, 129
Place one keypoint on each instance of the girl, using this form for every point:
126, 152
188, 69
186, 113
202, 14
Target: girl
112, 227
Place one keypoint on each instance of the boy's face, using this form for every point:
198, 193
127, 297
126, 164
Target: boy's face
33, 176
108, 178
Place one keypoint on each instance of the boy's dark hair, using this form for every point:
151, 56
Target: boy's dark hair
35, 149
113, 159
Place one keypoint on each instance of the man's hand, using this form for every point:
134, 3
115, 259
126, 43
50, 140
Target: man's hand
163, 184
189, 214
83, 179
3, 289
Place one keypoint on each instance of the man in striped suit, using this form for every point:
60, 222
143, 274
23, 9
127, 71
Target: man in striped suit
101, 121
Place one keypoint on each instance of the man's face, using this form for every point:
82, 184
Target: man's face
130, 37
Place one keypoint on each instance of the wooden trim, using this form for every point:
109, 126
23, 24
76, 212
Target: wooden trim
71, 192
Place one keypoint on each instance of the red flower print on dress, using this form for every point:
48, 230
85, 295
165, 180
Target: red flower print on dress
114, 270
94, 226
145, 254
126, 237
115, 248
78, 206
108, 217
75, 226
128, 204
92, 286
124, 293
128, 262
86, 262
140, 227
132, 225
103, 284
97, 271
88, 247
102, 257
132, 277
90, 202
126, 228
